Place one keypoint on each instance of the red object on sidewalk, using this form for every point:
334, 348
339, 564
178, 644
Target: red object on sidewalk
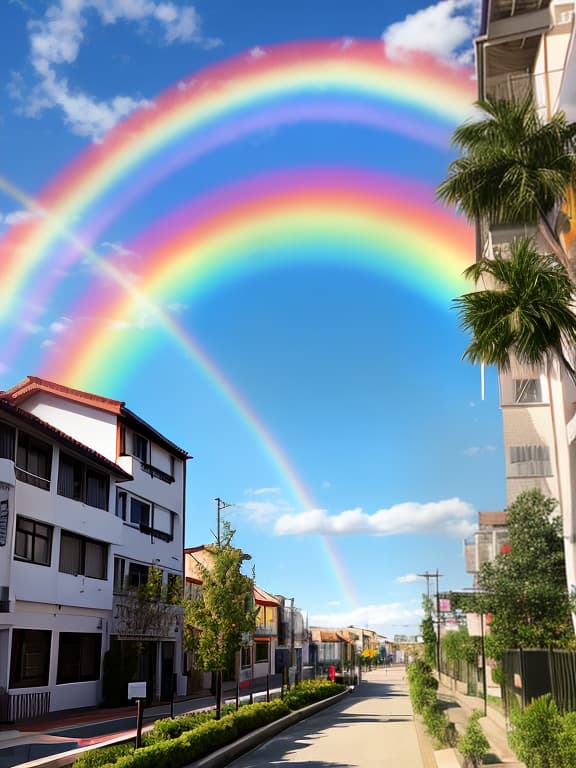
332, 673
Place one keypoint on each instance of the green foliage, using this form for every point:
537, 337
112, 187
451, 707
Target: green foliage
537, 734
160, 750
459, 646
438, 725
423, 685
526, 586
428, 633
309, 691
513, 168
225, 609
473, 744
568, 740
526, 312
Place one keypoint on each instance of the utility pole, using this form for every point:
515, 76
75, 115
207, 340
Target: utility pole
220, 505
436, 575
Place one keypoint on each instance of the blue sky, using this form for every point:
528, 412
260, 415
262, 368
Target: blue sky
358, 377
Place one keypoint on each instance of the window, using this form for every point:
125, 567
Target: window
261, 651
246, 656
527, 391
530, 461
140, 447
139, 512
33, 461
33, 541
7, 441
137, 574
78, 657
173, 587
121, 503
30, 659
80, 482
83, 557
119, 574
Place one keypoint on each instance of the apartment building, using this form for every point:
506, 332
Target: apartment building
528, 46
489, 541
93, 505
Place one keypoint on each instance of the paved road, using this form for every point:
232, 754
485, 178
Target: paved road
374, 726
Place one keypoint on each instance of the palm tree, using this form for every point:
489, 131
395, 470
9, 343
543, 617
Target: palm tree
514, 168
526, 313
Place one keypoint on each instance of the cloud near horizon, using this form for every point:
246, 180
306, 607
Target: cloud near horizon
392, 618
450, 517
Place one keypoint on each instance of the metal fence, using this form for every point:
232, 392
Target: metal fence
527, 674
23, 706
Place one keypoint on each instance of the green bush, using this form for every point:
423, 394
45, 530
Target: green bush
423, 685
473, 745
568, 740
438, 725
96, 758
536, 737
309, 691
171, 728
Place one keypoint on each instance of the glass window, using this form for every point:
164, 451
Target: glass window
261, 651
121, 503
33, 461
33, 541
78, 481
30, 658
140, 447
137, 574
527, 391
139, 512
70, 478
78, 657
246, 656
83, 557
119, 574
7, 441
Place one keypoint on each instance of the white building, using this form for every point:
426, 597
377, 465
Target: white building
94, 497
529, 46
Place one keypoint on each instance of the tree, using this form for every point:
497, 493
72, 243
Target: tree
514, 168
224, 611
527, 313
524, 588
428, 633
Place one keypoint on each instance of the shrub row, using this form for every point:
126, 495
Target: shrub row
179, 741
473, 744
542, 737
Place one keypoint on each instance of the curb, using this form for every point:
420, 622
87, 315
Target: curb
217, 759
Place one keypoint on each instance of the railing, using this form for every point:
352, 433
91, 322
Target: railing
153, 471
23, 706
32, 479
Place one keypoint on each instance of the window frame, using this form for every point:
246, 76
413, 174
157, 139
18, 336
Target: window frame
31, 446
18, 654
84, 543
140, 448
83, 474
259, 644
33, 534
67, 659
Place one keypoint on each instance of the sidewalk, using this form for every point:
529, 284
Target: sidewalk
493, 725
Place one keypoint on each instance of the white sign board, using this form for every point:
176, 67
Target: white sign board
137, 690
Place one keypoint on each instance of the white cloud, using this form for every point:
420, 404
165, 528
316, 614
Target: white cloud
48, 343
326, 484
257, 52
262, 491
60, 326
409, 578
55, 42
16, 217
479, 450
445, 29
382, 618
118, 248
450, 517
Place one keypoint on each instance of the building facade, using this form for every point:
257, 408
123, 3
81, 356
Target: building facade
527, 46
91, 511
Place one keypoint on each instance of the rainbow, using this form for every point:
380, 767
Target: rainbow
327, 215
325, 80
